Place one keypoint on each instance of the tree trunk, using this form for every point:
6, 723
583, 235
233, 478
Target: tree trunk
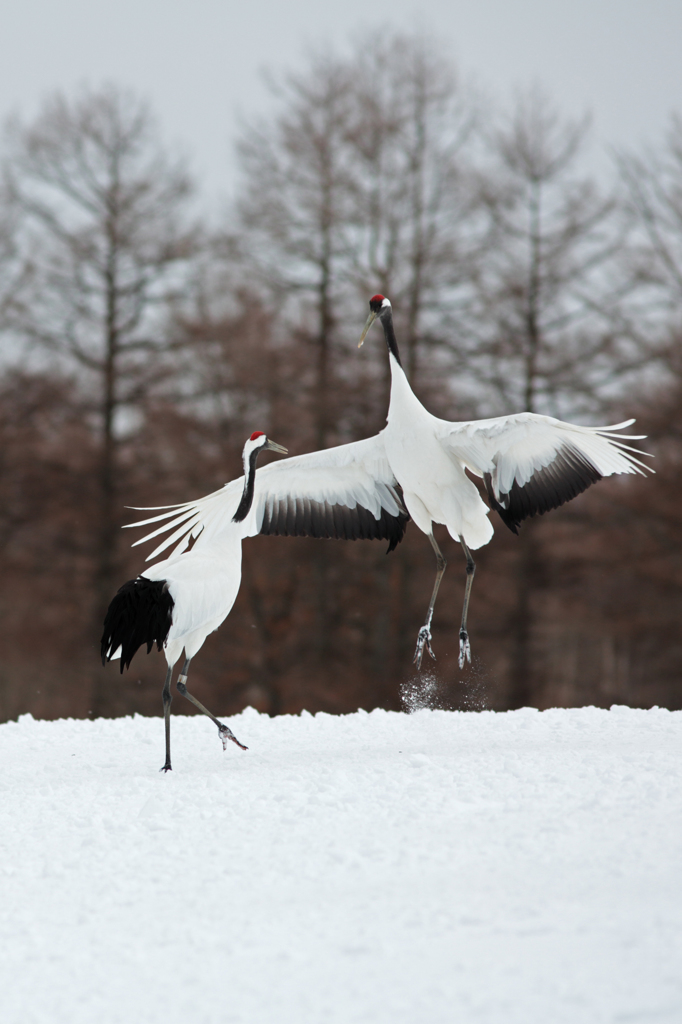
107, 536
522, 688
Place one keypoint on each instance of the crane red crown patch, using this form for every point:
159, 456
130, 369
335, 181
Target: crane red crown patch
256, 433
377, 298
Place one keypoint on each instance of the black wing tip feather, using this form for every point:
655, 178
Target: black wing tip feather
301, 517
565, 478
140, 613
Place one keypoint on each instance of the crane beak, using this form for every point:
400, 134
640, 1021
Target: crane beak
370, 320
272, 447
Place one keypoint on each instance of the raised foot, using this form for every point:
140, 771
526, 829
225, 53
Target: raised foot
227, 734
464, 648
423, 641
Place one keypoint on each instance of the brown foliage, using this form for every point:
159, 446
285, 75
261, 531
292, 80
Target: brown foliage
505, 291
606, 595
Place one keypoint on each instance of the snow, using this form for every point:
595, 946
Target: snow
435, 867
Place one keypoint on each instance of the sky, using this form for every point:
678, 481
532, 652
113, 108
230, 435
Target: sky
201, 63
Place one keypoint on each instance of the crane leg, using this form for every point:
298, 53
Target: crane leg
167, 698
424, 636
464, 645
224, 732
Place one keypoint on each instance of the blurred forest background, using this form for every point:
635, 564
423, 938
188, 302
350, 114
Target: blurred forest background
143, 341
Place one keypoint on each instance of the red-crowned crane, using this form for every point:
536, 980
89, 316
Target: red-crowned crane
416, 467
529, 465
347, 492
176, 603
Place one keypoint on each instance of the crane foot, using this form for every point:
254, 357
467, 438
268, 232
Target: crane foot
464, 648
423, 641
227, 734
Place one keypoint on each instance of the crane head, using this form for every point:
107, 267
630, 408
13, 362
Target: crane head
252, 449
378, 305
260, 442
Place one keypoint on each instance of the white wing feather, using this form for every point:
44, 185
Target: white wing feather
348, 475
514, 450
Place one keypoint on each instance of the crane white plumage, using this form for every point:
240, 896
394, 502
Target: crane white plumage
529, 464
177, 602
416, 467
346, 493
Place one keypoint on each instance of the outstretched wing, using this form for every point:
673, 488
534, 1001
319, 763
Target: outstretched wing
348, 493
531, 464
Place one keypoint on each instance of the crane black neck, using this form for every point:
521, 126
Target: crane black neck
386, 317
247, 495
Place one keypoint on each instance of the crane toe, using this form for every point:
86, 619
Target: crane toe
464, 648
227, 734
423, 641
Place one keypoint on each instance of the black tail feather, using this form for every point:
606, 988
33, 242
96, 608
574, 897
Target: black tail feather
141, 613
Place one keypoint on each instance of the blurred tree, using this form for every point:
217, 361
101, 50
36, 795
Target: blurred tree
363, 181
414, 205
540, 338
294, 210
652, 262
47, 454
107, 238
12, 272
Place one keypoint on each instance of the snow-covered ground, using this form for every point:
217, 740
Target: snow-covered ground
434, 867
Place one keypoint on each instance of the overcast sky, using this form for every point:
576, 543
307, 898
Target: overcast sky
200, 62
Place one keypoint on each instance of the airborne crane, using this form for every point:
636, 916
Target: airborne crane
529, 464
